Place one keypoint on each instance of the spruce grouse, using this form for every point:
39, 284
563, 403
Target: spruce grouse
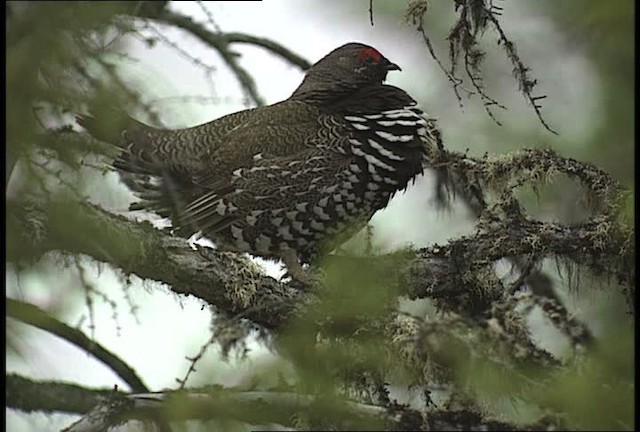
290, 180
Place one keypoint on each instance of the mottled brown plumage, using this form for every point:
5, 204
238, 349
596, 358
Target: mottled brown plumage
289, 180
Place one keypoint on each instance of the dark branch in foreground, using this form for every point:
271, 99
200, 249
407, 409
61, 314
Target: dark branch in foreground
101, 408
28, 395
33, 315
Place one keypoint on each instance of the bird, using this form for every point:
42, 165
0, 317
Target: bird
289, 181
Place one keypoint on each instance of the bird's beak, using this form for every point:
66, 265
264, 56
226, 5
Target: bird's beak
392, 66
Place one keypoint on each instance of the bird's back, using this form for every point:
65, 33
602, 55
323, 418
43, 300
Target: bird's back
307, 174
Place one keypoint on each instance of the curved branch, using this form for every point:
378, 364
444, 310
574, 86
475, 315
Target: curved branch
218, 39
33, 315
221, 42
437, 270
270, 45
247, 82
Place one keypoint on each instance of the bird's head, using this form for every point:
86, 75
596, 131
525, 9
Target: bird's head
355, 62
346, 68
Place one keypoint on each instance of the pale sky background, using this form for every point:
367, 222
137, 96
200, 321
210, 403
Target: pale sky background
169, 327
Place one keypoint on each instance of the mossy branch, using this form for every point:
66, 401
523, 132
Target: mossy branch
236, 286
101, 408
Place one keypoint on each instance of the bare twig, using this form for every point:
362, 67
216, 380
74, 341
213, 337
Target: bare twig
417, 14
371, 12
221, 45
520, 72
209, 70
209, 16
89, 291
195, 359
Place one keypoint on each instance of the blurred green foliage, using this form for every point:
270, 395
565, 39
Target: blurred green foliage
604, 31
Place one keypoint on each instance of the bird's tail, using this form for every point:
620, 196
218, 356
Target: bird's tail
108, 125
159, 187
116, 127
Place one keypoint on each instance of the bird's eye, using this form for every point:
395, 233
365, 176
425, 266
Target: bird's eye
368, 60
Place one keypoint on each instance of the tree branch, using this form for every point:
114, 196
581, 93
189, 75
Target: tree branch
33, 315
270, 45
102, 408
29, 395
214, 39
245, 79
222, 43
235, 285
227, 281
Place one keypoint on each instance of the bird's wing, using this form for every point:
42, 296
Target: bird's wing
266, 161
